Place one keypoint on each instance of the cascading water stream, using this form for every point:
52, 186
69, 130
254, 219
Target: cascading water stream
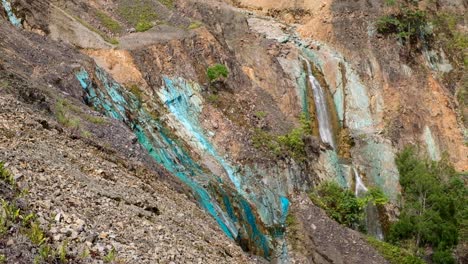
360, 187
325, 128
372, 215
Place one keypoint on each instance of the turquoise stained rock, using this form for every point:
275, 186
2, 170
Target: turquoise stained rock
15, 21
242, 216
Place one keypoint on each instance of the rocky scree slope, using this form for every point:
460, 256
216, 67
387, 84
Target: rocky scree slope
207, 133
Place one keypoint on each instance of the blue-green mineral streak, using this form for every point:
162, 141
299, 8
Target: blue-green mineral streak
11, 16
234, 211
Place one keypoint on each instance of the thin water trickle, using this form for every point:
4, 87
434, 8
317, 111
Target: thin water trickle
360, 187
373, 225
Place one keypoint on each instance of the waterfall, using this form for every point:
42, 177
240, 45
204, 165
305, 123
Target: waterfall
360, 187
373, 225
325, 128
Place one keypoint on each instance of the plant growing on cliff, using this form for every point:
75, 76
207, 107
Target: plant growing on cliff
217, 71
6, 175
343, 206
139, 13
394, 254
409, 25
111, 256
433, 212
108, 22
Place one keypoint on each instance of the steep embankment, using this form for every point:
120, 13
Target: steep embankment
89, 183
244, 146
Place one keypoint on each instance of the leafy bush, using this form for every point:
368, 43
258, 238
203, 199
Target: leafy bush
217, 71
434, 198
409, 25
443, 257
111, 256
343, 206
6, 175
291, 144
394, 254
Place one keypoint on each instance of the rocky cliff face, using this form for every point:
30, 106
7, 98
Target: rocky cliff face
117, 91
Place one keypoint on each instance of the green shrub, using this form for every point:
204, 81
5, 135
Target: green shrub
443, 257
195, 25
290, 220
2, 259
217, 71
261, 114
6, 176
108, 22
434, 199
111, 256
213, 99
291, 144
36, 235
394, 254
266, 141
343, 206
63, 115
143, 26
409, 25
340, 204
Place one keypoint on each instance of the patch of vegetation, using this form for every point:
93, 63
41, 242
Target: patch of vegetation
143, 26
343, 206
168, 3
13, 220
4, 84
2, 259
217, 71
62, 252
36, 235
394, 254
96, 119
111, 256
213, 99
408, 24
108, 22
195, 25
139, 13
62, 113
136, 91
6, 176
434, 211
103, 35
290, 220
291, 144
261, 114
266, 141
450, 37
